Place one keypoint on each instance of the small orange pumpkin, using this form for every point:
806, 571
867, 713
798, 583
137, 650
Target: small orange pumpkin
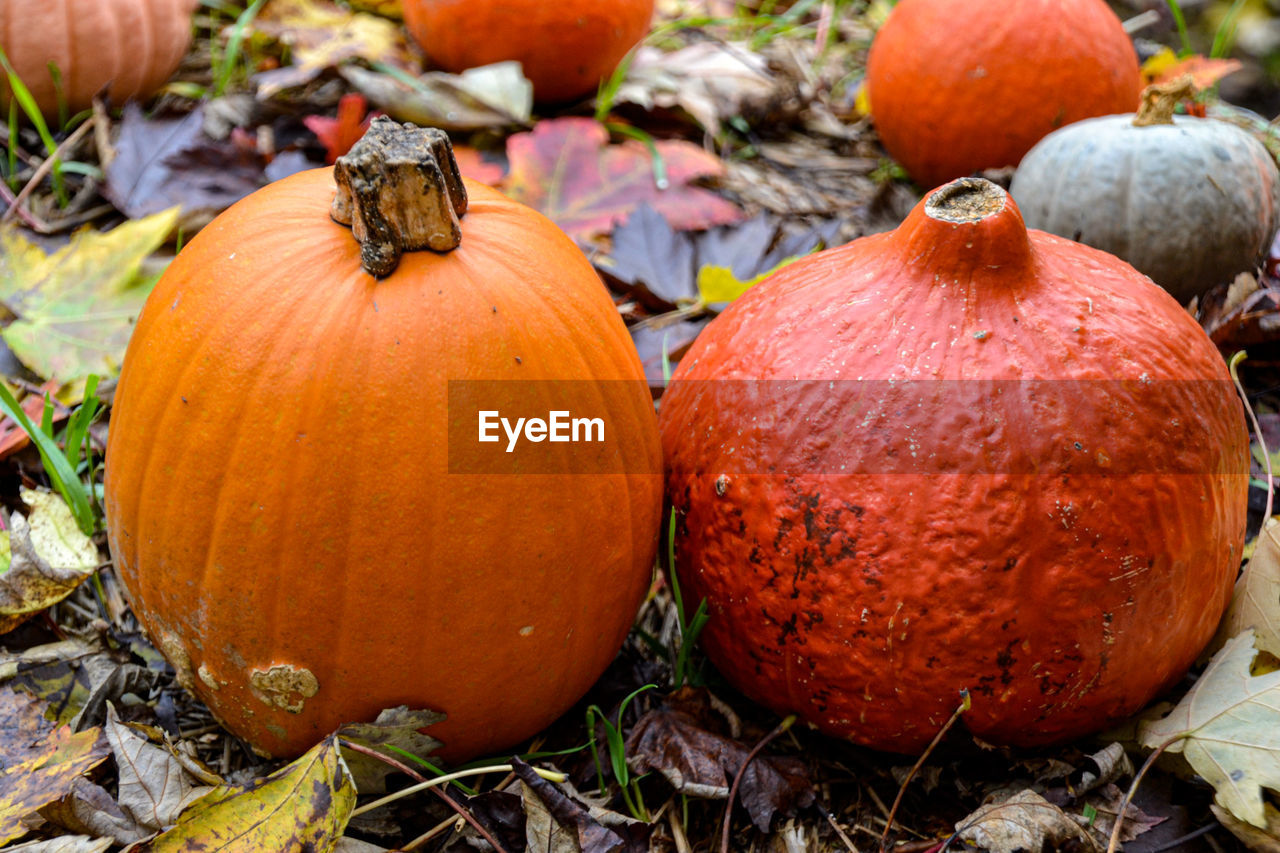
295, 496
565, 47
958, 86
130, 47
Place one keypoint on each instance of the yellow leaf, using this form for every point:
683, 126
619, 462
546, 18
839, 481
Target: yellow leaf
862, 101
718, 284
393, 9
303, 806
47, 556
75, 308
1256, 602
35, 783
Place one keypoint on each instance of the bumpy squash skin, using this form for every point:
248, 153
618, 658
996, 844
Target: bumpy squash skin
958, 86
865, 600
133, 45
566, 48
278, 495
1190, 204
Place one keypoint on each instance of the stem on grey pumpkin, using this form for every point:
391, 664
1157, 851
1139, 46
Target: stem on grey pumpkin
966, 200
1160, 99
400, 190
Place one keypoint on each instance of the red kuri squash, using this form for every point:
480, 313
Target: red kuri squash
565, 47
129, 46
960, 455
958, 86
297, 498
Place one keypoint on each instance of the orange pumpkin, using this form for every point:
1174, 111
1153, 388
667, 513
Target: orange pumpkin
960, 455
129, 47
566, 47
296, 498
958, 86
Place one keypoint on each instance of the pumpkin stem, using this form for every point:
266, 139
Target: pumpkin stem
966, 200
1160, 99
399, 189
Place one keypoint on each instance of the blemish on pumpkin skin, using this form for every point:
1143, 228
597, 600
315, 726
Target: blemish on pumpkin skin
207, 677
175, 652
284, 686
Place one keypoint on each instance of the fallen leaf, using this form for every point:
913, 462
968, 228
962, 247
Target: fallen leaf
153, 787
47, 776
321, 35
490, 97
1106, 802
47, 558
341, 132
75, 309
472, 164
393, 9
702, 763
1256, 602
1205, 73
662, 345
712, 81
302, 807
662, 267
557, 822
22, 725
1229, 727
567, 169
64, 844
502, 814
166, 162
1259, 840
1024, 821
394, 729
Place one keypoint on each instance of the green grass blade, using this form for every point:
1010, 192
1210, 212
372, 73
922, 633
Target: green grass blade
61, 475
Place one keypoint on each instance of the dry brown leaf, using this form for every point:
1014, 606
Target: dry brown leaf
64, 844
1256, 602
1024, 821
1257, 839
711, 81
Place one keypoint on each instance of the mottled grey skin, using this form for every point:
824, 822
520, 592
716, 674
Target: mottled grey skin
1191, 204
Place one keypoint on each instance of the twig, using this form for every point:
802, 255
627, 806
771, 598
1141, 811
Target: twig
844, 836
742, 771
902, 789
1133, 789
45, 168
430, 833
12, 201
384, 758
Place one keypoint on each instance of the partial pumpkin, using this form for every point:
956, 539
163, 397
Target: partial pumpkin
566, 47
958, 86
129, 47
1189, 201
296, 498
958, 456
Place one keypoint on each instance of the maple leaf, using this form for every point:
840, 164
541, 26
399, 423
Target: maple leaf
1228, 727
1256, 602
338, 134
567, 169
56, 763
302, 806
472, 164
1205, 72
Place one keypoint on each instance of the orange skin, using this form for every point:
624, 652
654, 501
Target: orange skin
565, 47
958, 86
133, 45
1027, 548
279, 491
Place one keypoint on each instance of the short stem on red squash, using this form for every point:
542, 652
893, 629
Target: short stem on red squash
400, 190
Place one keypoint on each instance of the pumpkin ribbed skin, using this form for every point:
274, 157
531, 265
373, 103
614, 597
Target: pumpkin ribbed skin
565, 47
958, 455
279, 491
133, 45
958, 86
1107, 183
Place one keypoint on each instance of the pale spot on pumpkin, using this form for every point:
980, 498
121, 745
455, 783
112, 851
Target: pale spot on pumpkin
284, 686
207, 677
526, 630
175, 652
